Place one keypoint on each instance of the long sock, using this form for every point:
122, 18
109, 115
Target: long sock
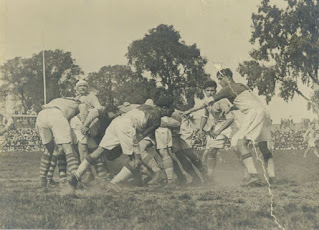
271, 168
168, 167
62, 166
72, 162
53, 163
187, 165
194, 159
211, 163
124, 174
249, 163
99, 168
150, 161
82, 168
44, 165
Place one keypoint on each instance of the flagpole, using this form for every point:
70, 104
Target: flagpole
43, 69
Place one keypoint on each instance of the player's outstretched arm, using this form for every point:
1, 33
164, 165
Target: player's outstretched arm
224, 126
196, 108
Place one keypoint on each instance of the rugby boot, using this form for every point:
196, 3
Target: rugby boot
44, 186
253, 180
113, 187
272, 180
157, 178
171, 184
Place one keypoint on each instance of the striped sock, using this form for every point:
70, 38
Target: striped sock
62, 166
52, 168
44, 165
72, 162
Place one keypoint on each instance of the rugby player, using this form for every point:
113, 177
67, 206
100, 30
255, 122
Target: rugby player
256, 126
127, 131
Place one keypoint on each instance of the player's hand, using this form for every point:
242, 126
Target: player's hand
84, 130
201, 133
186, 114
214, 134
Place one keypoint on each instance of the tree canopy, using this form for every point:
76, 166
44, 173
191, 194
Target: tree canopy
118, 84
179, 67
25, 77
286, 49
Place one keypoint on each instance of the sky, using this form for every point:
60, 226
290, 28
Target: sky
98, 32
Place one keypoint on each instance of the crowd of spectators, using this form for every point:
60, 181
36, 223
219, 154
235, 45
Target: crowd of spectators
23, 137
26, 139
287, 140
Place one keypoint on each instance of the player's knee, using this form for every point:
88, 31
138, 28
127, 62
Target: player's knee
131, 166
241, 145
164, 153
50, 147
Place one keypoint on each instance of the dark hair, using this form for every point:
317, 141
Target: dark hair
164, 101
225, 73
210, 84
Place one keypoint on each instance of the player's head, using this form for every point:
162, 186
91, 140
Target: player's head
81, 87
149, 102
224, 76
166, 105
210, 88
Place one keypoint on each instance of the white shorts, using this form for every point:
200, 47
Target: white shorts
120, 132
52, 125
256, 126
222, 139
163, 137
218, 143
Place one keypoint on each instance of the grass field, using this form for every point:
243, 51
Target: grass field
224, 205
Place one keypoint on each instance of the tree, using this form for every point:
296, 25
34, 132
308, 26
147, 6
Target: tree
25, 76
162, 53
286, 52
118, 84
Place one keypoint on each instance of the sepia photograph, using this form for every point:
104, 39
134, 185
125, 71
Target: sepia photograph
159, 114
